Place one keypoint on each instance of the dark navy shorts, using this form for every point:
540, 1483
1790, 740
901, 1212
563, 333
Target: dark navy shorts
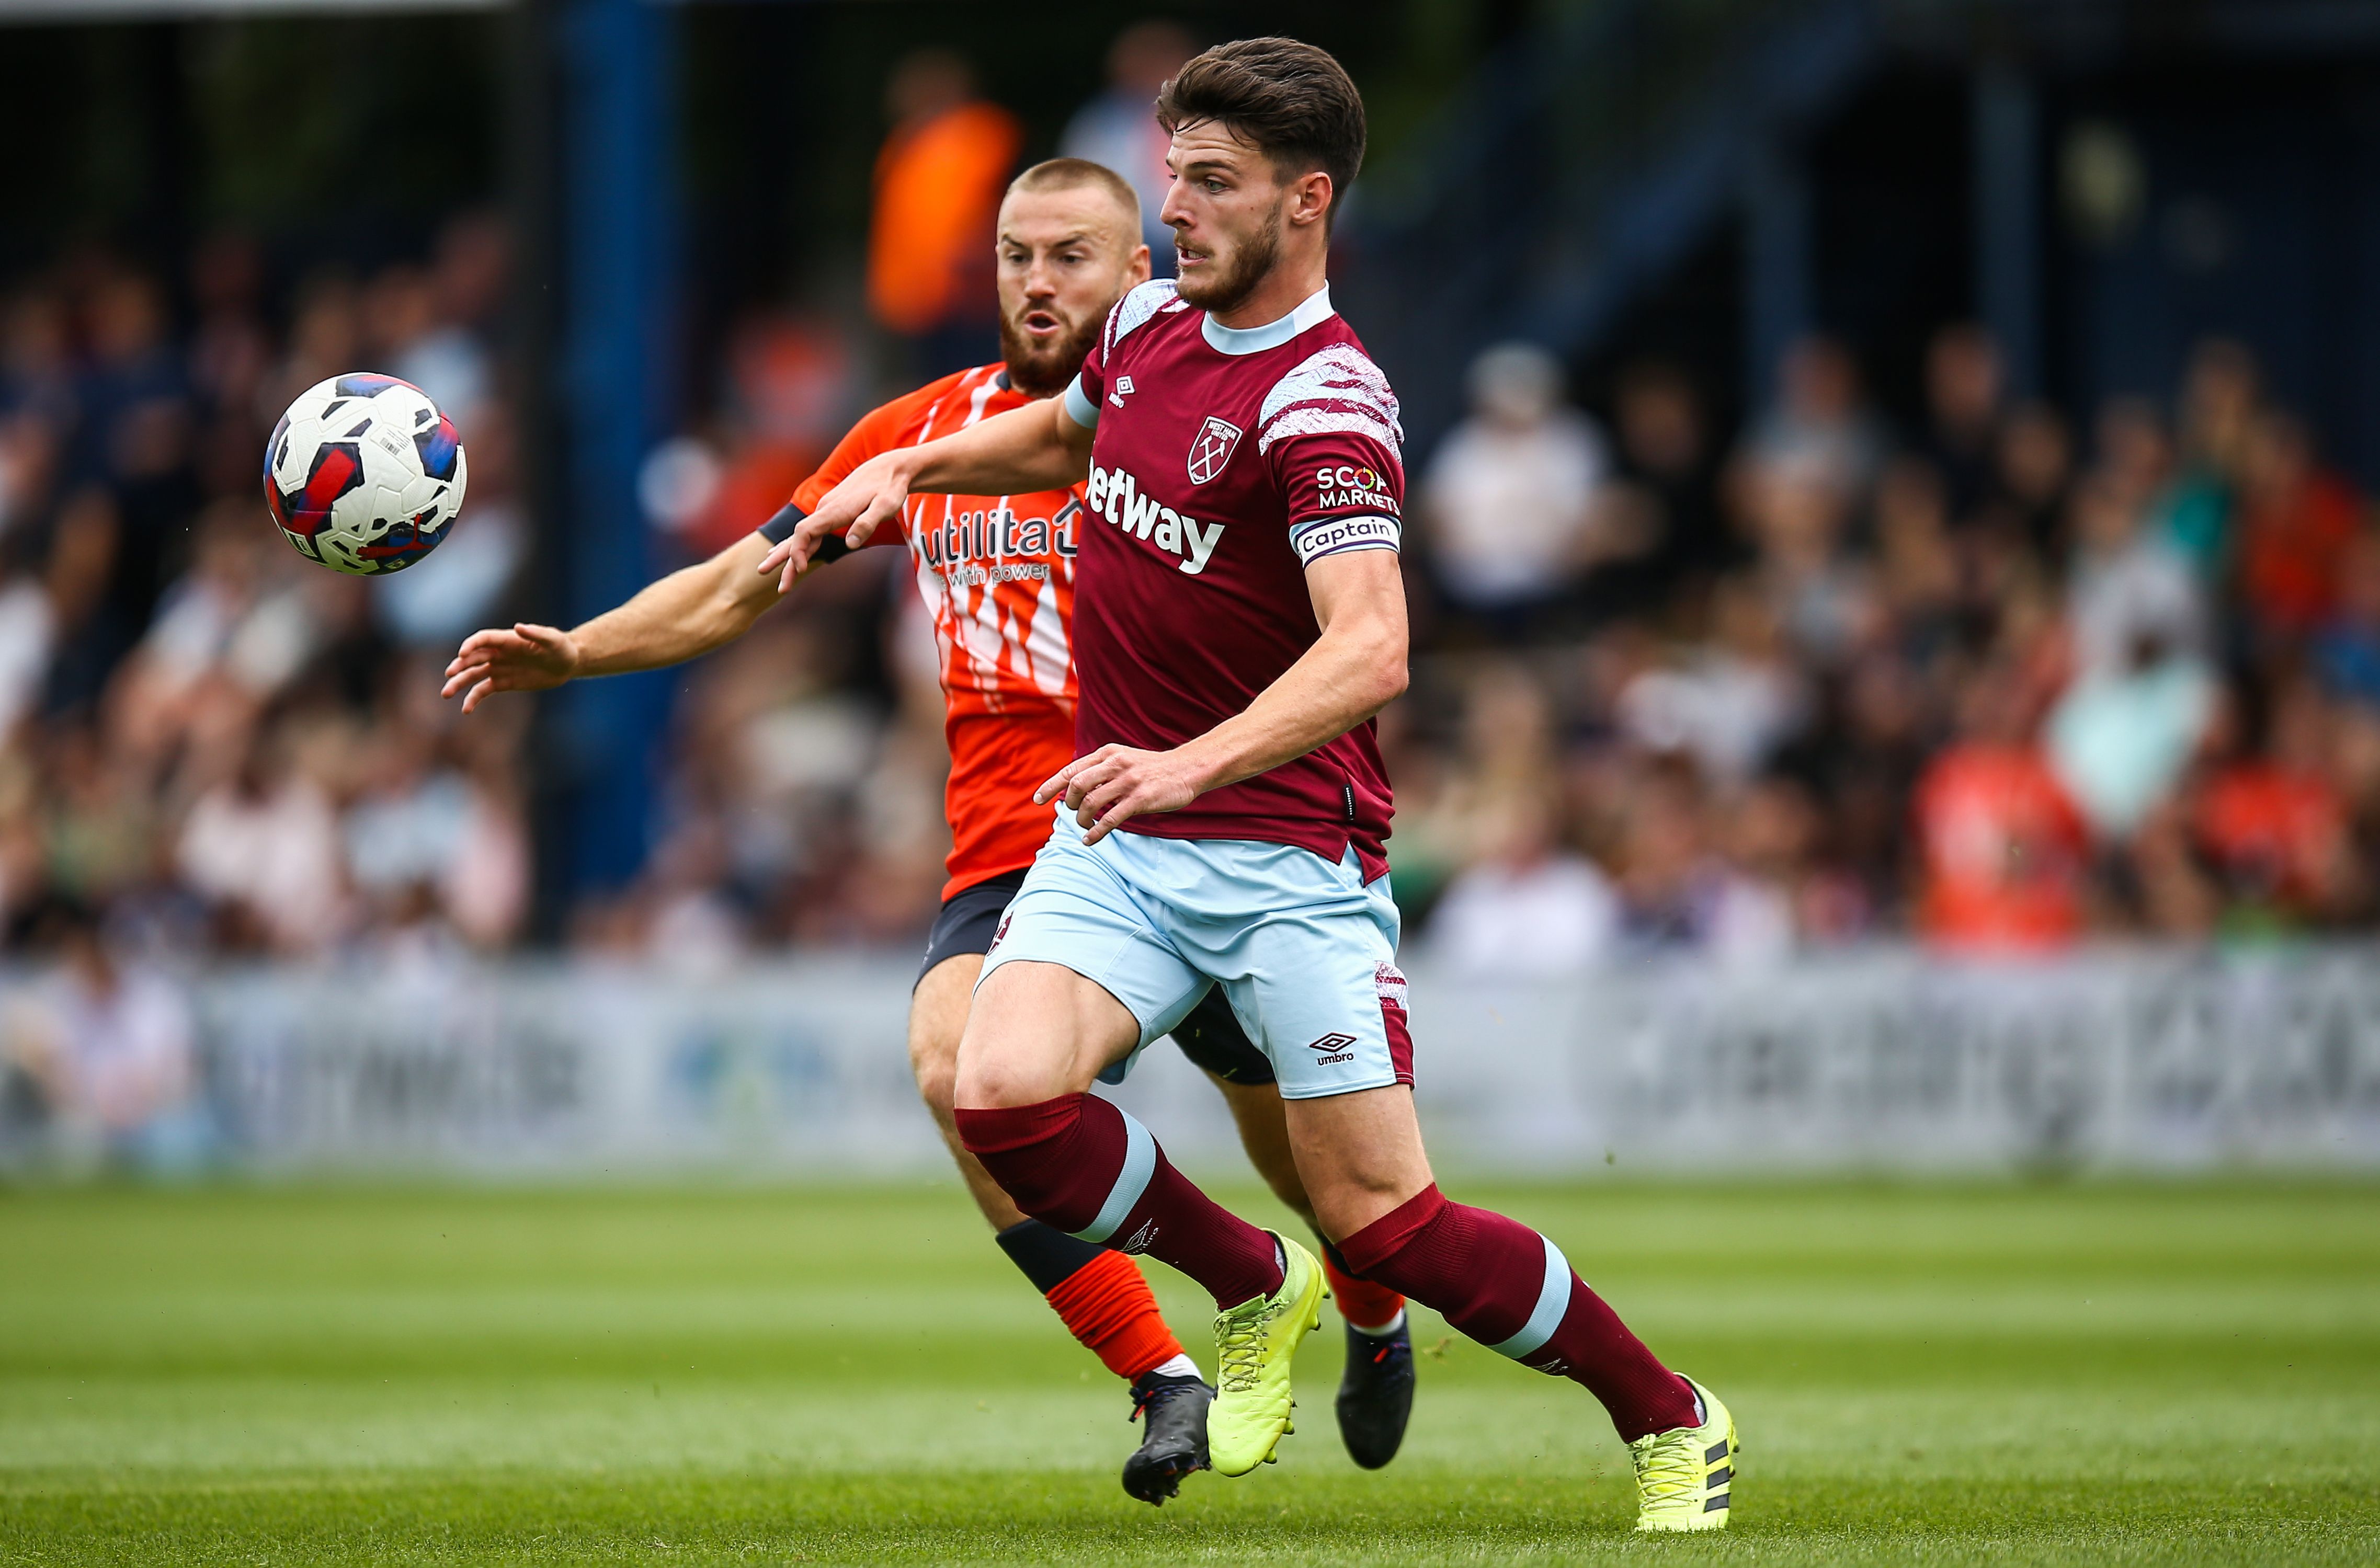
969, 919
1210, 1036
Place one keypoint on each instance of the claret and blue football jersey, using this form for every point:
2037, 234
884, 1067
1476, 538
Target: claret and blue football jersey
1225, 462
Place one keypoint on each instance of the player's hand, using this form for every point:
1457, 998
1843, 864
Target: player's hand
520, 658
1116, 783
869, 494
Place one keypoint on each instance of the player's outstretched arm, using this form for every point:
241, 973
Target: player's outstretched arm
683, 616
1037, 447
1354, 669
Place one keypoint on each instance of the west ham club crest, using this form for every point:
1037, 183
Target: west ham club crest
1217, 437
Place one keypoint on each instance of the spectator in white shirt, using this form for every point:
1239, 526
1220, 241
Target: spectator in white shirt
2127, 584
1513, 500
1527, 909
28, 632
114, 1048
1732, 704
264, 850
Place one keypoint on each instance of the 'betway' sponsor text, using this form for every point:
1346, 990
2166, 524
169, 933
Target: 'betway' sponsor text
1116, 495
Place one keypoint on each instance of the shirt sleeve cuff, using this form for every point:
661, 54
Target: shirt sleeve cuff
1079, 407
779, 528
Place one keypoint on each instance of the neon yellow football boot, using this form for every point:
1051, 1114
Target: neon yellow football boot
1253, 1343
1683, 1474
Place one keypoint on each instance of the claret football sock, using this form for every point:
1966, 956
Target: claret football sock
1369, 1309
1081, 1165
1102, 1296
1510, 1289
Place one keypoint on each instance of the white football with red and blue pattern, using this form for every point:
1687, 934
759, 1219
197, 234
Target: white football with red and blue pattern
364, 474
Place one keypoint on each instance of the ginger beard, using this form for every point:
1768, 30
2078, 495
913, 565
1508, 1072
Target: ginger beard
1235, 268
1043, 369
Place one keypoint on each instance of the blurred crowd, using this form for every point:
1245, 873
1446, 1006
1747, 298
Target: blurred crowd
2002, 676
224, 746
213, 746
2004, 679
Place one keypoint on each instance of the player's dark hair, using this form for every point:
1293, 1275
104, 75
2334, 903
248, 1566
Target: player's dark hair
1291, 101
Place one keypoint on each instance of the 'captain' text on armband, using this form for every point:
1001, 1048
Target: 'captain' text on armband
1334, 536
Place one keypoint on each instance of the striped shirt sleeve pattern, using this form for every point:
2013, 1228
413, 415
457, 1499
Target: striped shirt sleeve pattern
1333, 420
1338, 391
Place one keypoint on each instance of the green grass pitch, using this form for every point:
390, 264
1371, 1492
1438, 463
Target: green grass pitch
2172, 1373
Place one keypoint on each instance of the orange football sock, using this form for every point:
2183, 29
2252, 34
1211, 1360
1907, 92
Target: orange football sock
1362, 1303
1109, 1307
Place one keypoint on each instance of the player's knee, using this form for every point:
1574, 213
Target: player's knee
980, 1085
935, 1065
1351, 1201
991, 1073
938, 1089
1293, 1199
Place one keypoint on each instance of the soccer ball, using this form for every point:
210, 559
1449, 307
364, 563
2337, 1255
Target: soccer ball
364, 474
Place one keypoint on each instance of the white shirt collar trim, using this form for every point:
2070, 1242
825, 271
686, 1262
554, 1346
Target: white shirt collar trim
1313, 311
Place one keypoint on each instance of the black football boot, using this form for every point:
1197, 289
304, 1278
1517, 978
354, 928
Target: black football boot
1376, 1394
1173, 1435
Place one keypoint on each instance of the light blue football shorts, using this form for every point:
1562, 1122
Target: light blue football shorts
1304, 951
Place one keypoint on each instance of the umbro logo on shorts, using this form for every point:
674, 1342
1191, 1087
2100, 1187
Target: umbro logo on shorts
1331, 1048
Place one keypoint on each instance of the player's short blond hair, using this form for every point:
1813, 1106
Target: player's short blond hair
1076, 173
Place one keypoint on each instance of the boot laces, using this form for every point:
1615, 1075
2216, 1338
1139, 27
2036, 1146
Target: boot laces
1240, 1348
1668, 1467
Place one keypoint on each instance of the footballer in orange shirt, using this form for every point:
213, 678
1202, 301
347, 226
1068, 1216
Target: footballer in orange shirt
997, 573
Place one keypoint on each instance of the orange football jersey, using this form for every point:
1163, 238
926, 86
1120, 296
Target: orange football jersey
997, 574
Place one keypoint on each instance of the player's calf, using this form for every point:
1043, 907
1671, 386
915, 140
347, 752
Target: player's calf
1512, 1289
1080, 1164
1376, 1384
1105, 1302
1102, 1297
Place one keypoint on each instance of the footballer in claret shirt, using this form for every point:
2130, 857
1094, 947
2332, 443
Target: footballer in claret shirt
1234, 459
996, 573
1239, 618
